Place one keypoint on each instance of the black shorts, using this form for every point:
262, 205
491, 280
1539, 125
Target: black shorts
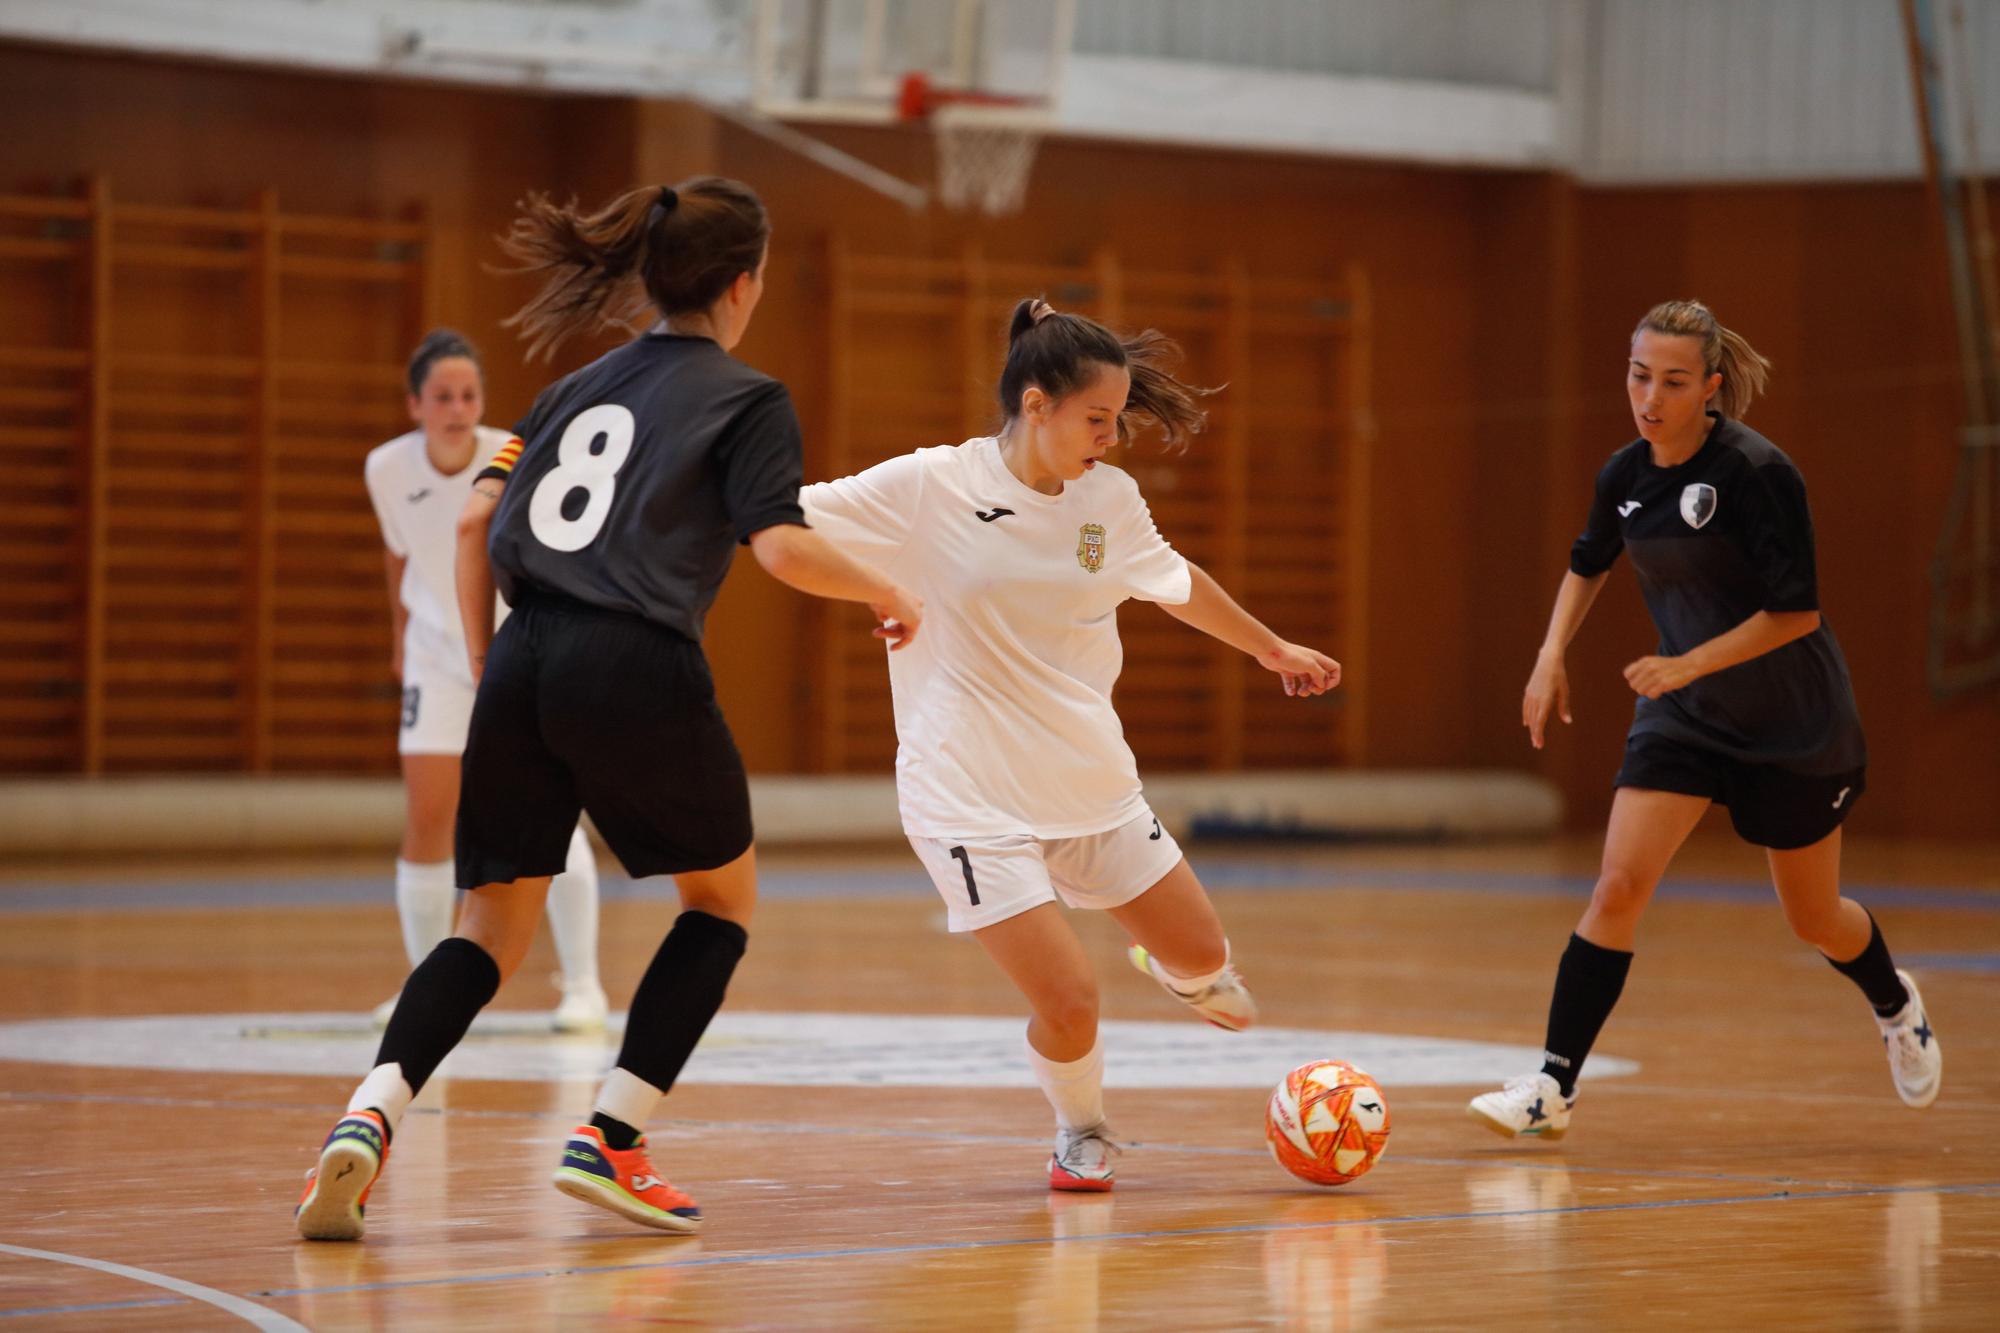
1771, 807
584, 708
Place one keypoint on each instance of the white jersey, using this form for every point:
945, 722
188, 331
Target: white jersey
1004, 721
418, 508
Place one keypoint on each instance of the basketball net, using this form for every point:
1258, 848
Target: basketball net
985, 145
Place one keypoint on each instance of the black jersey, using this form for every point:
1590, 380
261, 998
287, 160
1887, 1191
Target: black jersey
1714, 541
639, 475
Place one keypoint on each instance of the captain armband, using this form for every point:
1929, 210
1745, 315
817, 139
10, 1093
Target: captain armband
503, 462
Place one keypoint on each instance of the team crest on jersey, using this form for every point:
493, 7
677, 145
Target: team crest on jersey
1698, 503
1090, 546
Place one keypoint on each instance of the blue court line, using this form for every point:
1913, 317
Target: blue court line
1217, 873
1952, 962
1244, 1228
951, 1136
86, 1309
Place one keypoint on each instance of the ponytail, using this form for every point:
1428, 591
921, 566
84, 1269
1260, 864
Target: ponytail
673, 248
1745, 372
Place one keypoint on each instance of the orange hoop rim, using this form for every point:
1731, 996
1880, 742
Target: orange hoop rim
918, 99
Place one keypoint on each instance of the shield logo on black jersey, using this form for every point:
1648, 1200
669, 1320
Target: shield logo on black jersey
1090, 546
1698, 503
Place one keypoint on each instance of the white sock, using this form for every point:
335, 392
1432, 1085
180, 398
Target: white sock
573, 916
1076, 1089
627, 1097
426, 894
1193, 985
383, 1090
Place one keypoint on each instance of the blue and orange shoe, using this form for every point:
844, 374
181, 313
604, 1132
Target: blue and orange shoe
625, 1182
350, 1162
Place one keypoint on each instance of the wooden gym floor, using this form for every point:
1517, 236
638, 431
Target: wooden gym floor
1755, 1169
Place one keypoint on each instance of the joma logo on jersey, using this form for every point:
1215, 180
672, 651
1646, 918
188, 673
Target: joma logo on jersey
1090, 546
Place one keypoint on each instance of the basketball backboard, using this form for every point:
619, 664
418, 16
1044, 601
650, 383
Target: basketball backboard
839, 60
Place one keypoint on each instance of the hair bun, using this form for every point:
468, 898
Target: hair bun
668, 199
1028, 312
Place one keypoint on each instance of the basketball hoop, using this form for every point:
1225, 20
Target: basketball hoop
985, 143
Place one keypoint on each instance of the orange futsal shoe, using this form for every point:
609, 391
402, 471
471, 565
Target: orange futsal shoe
350, 1162
625, 1182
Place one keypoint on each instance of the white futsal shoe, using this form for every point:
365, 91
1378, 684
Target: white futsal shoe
1532, 1104
1225, 1002
583, 1009
1915, 1061
1082, 1159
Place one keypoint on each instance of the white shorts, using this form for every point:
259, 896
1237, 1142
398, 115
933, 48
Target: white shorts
984, 881
437, 705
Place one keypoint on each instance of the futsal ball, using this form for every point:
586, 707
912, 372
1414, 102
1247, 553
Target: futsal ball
1327, 1122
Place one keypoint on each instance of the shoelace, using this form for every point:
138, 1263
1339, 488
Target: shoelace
643, 1171
1524, 1086
1069, 1156
1903, 1041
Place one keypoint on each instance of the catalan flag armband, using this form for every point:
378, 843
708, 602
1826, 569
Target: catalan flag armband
503, 462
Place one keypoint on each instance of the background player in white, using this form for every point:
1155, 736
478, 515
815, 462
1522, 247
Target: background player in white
419, 483
1014, 779
1746, 702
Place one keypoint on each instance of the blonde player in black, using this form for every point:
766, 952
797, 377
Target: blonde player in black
637, 477
1745, 703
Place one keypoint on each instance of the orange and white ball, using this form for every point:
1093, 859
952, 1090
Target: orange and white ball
1327, 1122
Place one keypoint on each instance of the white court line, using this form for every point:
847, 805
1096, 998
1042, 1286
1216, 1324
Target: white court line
248, 1311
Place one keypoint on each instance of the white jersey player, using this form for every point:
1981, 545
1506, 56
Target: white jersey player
1016, 785
419, 483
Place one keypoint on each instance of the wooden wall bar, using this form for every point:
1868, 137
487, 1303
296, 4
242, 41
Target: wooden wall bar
172, 394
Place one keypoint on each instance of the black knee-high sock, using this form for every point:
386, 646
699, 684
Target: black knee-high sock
682, 989
437, 1005
1588, 981
1875, 972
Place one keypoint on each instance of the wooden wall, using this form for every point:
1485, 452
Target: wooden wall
188, 562
1500, 304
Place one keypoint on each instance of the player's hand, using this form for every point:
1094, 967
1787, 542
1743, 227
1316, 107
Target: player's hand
1305, 671
1547, 692
478, 662
899, 618
1655, 676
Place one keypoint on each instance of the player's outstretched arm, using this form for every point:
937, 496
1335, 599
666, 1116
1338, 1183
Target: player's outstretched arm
472, 570
1215, 613
1548, 683
800, 558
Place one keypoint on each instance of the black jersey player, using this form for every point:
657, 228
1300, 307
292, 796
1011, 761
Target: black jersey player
1745, 703
612, 522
